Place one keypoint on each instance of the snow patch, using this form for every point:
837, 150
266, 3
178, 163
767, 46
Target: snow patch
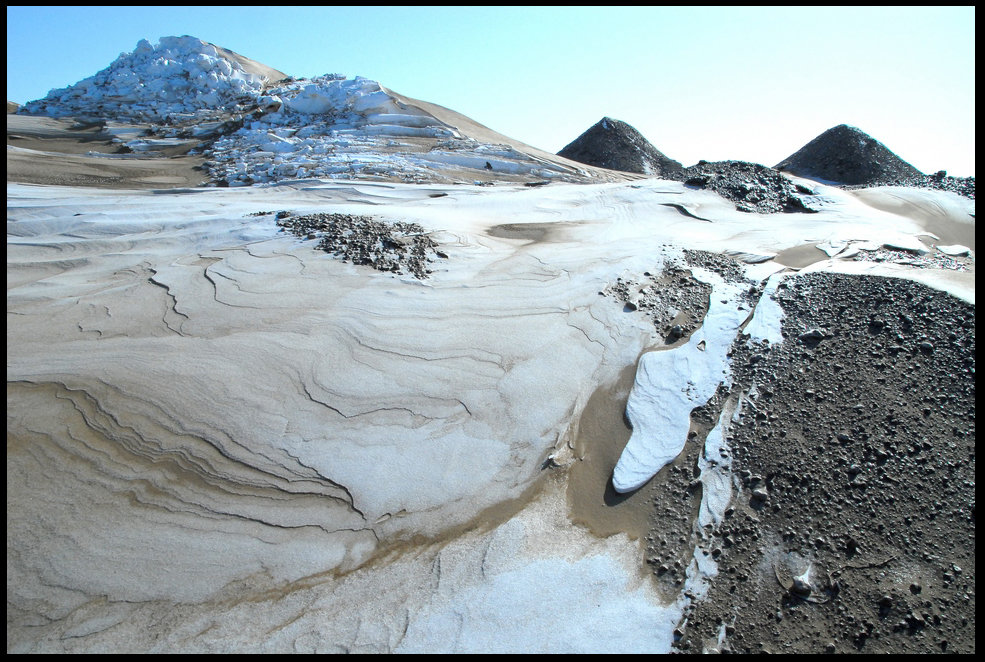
766, 322
670, 383
954, 249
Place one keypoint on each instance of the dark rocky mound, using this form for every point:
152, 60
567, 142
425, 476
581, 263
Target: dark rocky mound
618, 146
846, 155
752, 187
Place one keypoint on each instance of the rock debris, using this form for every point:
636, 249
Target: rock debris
395, 247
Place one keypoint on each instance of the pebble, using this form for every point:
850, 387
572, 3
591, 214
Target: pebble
801, 588
812, 337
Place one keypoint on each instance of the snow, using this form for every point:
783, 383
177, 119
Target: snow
832, 248
180, 75
300, 385
715, 475
766, 322
333, 128
670, 383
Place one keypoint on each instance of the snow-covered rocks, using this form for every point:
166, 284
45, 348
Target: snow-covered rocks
180, 76
332, 127
332, 94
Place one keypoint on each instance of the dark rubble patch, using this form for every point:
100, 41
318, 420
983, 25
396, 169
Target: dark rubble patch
674, 300
615, 145
752, 187
851, 159
725, 266
396, 247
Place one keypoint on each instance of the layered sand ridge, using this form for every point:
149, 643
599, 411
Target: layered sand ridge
220, 438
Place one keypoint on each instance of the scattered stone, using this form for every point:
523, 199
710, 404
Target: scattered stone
674, 300
876, 496
801, 588
811, 338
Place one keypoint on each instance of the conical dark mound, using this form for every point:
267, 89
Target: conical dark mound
618, 146
847, 155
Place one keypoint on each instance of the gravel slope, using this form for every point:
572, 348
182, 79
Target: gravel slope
856, 466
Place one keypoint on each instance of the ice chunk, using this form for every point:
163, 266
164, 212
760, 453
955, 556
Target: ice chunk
954, 249
716, 474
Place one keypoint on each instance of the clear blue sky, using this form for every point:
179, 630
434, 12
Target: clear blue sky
699, 82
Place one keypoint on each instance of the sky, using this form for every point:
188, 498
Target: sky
713, 83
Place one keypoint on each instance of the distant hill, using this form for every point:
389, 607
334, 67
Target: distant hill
254, 124
616, 145
847, 155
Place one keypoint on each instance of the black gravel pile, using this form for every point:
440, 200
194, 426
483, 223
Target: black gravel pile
391, 247
846, 155
752, 187
616, 145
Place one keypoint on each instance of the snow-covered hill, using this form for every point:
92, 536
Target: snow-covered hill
258, 125
179, 79
333, 127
